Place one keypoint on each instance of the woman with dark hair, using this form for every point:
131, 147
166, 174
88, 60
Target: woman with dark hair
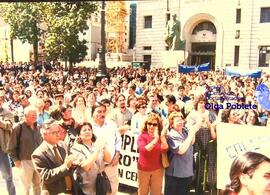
131, 104
207, 152
139, 117
232, 116
252, 118
151, 143
90, 158
79, 110
250, 175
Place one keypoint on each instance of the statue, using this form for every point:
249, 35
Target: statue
173, 34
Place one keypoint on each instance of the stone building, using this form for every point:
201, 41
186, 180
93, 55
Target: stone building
222, 32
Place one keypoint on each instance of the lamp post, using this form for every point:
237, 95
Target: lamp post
102, 70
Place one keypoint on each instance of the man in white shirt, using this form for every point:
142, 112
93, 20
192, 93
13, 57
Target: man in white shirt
107, 130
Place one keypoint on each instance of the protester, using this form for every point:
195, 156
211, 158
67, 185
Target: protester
121, 114
151, 143
249, 175
107, 130
90, 155
62, 86
180, 139
6, 121
139, 117
69, 124
25, 138
79, 110
53, 163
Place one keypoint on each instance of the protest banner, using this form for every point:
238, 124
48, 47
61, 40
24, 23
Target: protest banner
234, 140
128, 160
239, 72
194, 68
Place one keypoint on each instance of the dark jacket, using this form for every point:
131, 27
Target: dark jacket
52, 174
23, 141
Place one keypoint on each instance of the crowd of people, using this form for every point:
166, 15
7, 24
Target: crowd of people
61, 127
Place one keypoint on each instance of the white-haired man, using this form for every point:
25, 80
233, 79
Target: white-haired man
52, 162
25, 138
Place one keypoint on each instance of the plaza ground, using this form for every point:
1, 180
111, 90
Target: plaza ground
19, 190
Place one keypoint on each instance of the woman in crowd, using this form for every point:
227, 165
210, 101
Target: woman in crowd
90, 158
79, 110
14, 103
204, 146
90, 102
232, 116
180, 139
151, 143
42, 114
250, 175
138, 119
131, 104
252, 118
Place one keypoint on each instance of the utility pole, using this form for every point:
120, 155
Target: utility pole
102, 69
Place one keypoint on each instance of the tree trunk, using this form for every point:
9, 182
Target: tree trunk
35, 49
70, 66
11, 49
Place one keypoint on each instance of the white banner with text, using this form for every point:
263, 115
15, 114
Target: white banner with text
128, 160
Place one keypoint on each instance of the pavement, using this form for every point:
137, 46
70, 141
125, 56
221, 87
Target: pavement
19, 189
123, 189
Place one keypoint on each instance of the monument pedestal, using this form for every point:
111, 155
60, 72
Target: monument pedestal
171, 59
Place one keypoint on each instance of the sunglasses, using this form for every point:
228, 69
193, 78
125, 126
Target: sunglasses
152, 124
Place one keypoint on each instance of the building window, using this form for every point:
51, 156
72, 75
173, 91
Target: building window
209, 26
236, 55
147, 21
147, 59
238, 16
264, 56
237, 34
265, 15
147, 48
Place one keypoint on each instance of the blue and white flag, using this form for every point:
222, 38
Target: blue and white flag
193, 68
243, 73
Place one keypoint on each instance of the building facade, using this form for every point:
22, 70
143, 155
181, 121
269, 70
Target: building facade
221, 32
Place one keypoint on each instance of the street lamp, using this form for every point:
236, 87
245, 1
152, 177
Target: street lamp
102, 70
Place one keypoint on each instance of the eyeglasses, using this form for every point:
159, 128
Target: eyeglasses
152, 124
54, 132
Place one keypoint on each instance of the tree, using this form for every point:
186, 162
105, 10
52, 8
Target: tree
66, 21
24, 20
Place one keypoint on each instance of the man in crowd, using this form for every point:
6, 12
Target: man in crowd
52, 162
107, 130
6, 120
25, 138
69, 124
121, 115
